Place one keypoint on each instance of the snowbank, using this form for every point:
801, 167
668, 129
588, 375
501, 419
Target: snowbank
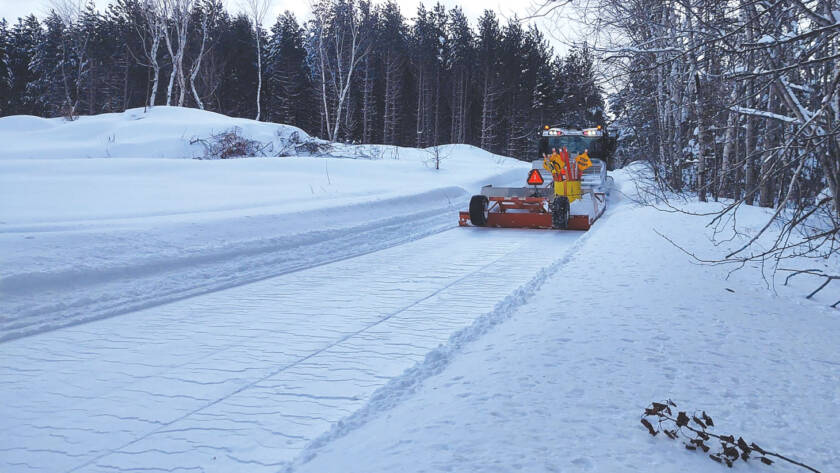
161, 132
45, 181
40, 193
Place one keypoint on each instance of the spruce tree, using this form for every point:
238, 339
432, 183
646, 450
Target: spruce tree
290, 94
393, 51
238, 82
515, 105
583, 104
5, 72
25, 38
487, 60
460, 61
52, 67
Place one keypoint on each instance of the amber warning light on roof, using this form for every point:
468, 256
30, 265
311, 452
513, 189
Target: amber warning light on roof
535, 178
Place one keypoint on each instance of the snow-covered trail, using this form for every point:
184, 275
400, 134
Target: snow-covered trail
246, 377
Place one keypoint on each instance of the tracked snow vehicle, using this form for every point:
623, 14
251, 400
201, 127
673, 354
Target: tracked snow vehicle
567, 186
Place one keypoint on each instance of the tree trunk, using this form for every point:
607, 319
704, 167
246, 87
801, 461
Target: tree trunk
197, 64
436, 111
174, 69
182, 83
155, 69
455, 116
749, 158
387, 115
701, 111
325, 115
487, 112
767, 170
749, 127
259, 70
420, 114
367, 103
392, 93
725, 181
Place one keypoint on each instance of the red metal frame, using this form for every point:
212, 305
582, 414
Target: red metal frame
529, 212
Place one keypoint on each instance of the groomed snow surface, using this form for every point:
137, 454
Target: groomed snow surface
327, 315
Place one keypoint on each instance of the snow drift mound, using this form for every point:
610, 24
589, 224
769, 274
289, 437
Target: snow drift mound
22, 123
161, 132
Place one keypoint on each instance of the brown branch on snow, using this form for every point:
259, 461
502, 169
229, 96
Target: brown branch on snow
730, 451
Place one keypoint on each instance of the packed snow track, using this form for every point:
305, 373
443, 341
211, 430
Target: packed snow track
247, 377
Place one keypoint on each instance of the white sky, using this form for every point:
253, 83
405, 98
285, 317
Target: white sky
12, 9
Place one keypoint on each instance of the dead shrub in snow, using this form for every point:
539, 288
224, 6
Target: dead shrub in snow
436, 156
68, 112
294, 145
730, 450
313, 148
231, 144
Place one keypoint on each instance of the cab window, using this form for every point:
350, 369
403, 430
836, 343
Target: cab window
574, 144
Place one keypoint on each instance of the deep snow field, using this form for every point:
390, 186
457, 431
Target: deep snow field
326, 314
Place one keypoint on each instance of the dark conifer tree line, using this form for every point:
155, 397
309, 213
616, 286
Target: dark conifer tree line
356, 72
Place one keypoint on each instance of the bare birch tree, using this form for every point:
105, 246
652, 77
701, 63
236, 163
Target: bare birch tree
340, 48
155, 25
177, 14
257, 10
207, 14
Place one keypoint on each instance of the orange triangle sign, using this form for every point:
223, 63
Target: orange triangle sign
535, 178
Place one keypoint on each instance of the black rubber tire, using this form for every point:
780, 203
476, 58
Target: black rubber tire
478, 210
560, 212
